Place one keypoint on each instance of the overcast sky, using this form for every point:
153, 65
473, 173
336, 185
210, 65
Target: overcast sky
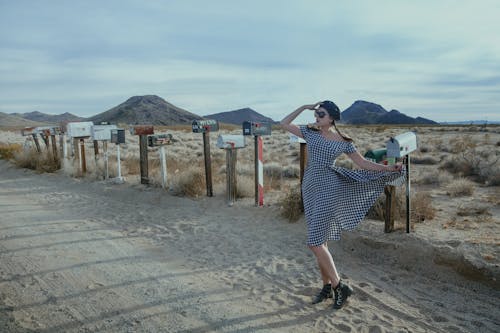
436, 59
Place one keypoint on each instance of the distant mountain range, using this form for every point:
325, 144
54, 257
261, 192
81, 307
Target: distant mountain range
362, 112
154, 110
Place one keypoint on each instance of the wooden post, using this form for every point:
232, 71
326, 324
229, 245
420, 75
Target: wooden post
54, 147
37, 144
231, 175
390, 206
96, 148
83, 162
45, 138
143, 155
208, 163
303, 159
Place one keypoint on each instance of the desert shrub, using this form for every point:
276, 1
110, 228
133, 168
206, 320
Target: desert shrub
424, 160
41, 162
421, 207
188, 182
490, 174
473, 210
291, 204
273, 170
291, 171
245, 187
435, 177
7, 150
460, 187
481, 164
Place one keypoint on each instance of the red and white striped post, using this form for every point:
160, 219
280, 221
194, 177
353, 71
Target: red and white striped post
259, 170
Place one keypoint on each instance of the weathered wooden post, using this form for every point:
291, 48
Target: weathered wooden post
31, 131
205, 127
143, 131
390, 205
257, 130
102, 133
79, 131
231, 143
160, 140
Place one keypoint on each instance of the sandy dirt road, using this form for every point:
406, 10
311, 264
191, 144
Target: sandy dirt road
81, 256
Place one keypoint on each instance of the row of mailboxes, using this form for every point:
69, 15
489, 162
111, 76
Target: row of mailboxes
44, 130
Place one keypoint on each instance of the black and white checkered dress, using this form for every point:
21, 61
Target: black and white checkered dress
336, 198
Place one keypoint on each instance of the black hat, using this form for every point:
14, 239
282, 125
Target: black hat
332, 109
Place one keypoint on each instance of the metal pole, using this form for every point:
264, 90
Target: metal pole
118, 161
408, 205
163, 163
208, 163
259, 172
106, 164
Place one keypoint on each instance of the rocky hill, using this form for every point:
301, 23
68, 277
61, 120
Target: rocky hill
237, 117
48, 118
362, 112
145, 110
7, 120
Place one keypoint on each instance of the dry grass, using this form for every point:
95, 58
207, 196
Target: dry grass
291, 204
188, 182
40, 162
8, 150
460, 187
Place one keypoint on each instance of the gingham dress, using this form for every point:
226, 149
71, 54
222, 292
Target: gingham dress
336, 198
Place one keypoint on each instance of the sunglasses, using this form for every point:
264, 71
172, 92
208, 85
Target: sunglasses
320, 114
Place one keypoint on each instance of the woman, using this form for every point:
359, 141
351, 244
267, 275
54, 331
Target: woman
335, 198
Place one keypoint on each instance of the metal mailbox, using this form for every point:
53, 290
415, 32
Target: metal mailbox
253, 128
80, 129
142, 130
206, 125
401, 145
118, 135
230, 141
28, 131
159, 140
102, 132
376, 155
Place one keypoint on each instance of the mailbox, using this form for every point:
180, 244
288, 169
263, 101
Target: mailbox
28, 131
55, 130
295, 139
80, 129
159, 140
102, 132
252, 128
231, 141
118, 135
401, 145
376, 155
141, 130
202, 126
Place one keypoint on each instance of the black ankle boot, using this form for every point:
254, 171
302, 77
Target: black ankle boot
341, 291
325, 293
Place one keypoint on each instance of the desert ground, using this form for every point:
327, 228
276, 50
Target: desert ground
79, 253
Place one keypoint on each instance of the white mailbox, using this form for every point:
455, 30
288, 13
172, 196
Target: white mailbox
80, 129
230, 141
102, 132
401, 145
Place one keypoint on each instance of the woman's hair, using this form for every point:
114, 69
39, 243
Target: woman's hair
334, 112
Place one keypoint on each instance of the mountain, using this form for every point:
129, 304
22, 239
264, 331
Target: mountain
47, 118
237, 117
363, 112
145, 110
8, 120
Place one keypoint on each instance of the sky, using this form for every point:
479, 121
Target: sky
437, 59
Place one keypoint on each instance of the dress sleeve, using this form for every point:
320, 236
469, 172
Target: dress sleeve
350, 148
305, 131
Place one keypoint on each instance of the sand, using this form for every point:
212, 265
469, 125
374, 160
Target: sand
86, 255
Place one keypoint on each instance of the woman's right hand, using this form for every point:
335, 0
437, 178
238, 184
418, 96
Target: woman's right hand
311, 106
